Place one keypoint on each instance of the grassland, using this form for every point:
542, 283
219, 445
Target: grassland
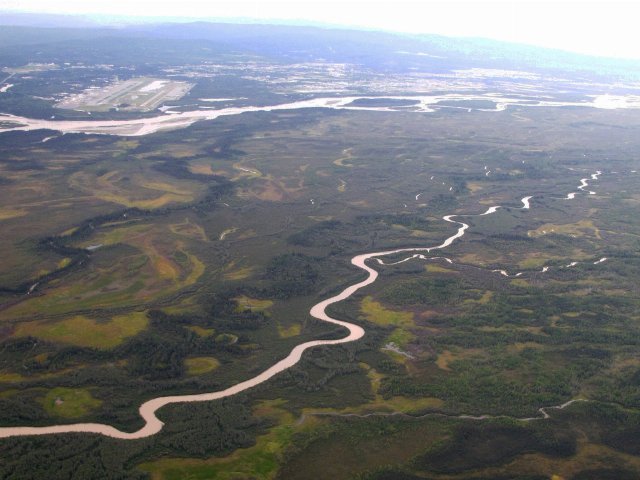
375, 312
86, 332
131, 192
200, 365
69, 403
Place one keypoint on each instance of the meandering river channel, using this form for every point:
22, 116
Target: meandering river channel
148, 409
179, 120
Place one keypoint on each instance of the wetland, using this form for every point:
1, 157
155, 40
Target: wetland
184, 291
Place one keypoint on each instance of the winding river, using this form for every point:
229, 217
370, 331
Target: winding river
148, 409
147, 126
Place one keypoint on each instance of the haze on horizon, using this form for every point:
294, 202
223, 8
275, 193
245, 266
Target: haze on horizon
597, 28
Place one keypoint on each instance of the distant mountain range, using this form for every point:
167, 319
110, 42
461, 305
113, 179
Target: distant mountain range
381, 51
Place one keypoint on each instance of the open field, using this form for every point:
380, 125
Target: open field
69, 403
85, 332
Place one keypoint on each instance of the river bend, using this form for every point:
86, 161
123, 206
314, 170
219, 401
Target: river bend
148, 409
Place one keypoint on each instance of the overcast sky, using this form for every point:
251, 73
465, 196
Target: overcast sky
600, 28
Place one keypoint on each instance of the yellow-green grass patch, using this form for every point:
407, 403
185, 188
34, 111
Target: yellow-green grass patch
474, 186
250, 172
447, 357
624, 361
491, 201
8, 213
535, 330
64, 262
401, 337
140, 236
10, 377
375, 312
147, 204
69, 402
396, 403
105, 188
444, 359
69, 231
144, 279
272, 190
406, 404
41, 357
486, 297
375, 377
226, 338
9, 392
127, 234
201, 169
165, 268
484, 259
250, 233
127, 144
201, 331
348, 155
226, 232
200, 365
189, 229
197, 269
397, 357
291, 331
165, 187
253, 304
86, 332
393, 404
578, 229
435, 268
536, 260
185, 305
239, 273
520, 282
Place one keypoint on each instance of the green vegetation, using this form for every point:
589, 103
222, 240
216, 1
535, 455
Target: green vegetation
428, 291
187, 261
85, 332
376, 313
69, 402
260, 461
200, 365
292, 275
